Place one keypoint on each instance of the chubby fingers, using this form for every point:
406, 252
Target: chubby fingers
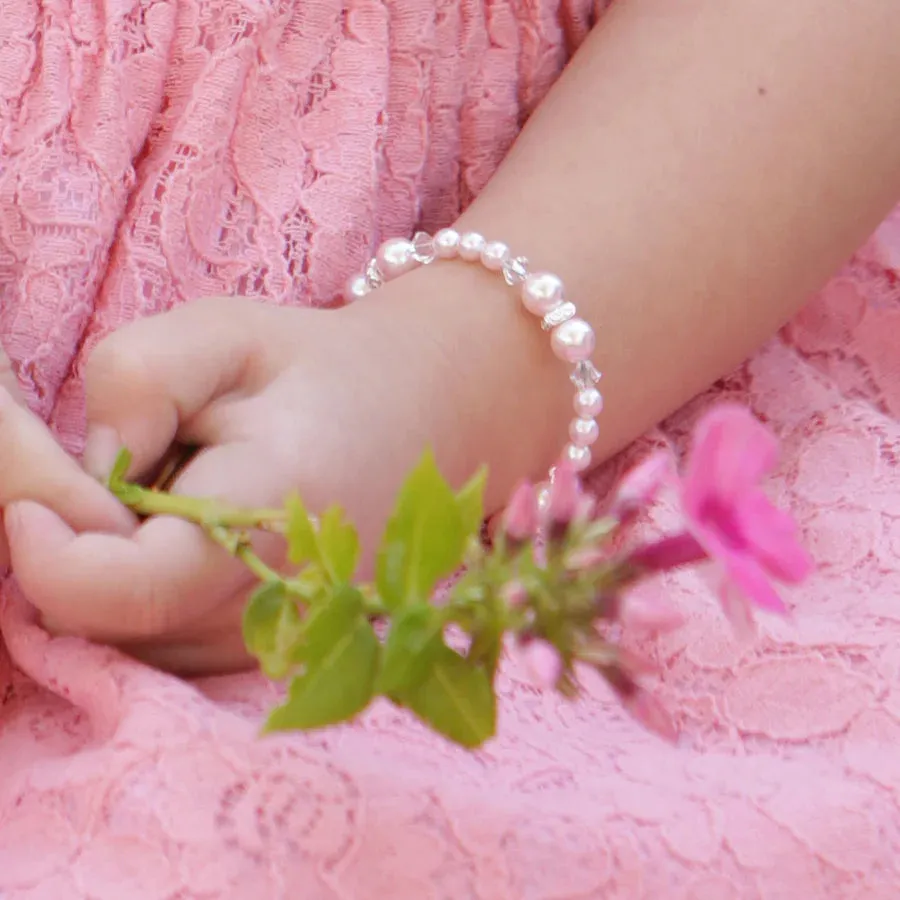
112, 588
166, 578
152, 381
34, 466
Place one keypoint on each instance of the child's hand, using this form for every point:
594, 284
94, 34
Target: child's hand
333, 404
33, 465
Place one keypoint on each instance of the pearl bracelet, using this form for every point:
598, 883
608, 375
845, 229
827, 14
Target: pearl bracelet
571, 338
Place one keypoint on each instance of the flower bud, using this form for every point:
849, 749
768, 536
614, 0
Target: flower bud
640, 615
520, 520
667, 553
649, 712
641, 486
542, 662
565, 498
514, 593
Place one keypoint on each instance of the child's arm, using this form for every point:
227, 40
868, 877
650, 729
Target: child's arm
703, 166
699, 171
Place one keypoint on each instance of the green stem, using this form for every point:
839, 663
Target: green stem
201, 510
238, 545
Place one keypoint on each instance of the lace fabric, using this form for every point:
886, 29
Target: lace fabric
157, 151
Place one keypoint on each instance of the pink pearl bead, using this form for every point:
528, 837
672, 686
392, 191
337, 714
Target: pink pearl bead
494, 255
356, 288
578, 457
583, 432
395, 256
470, 246
446, 243
542, 491
573, 341
588, 403
542, 292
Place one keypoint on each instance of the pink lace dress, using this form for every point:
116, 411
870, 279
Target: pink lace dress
157, 150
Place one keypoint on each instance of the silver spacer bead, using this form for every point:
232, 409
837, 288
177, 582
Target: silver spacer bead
562, 313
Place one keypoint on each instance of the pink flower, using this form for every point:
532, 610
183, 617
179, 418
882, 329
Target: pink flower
565, 496
642, 484
728, 513
542, 662
520, 521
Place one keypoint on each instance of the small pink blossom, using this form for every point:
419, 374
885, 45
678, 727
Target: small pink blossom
520, 521
728, 513
565, 498
514, 593
642, 485
542, 662
641, 615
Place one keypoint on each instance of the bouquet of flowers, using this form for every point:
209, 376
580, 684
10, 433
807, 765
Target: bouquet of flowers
553, 586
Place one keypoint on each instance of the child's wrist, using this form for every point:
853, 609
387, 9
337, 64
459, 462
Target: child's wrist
507, 395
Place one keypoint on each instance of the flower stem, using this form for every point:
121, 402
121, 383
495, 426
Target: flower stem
204, 511
239, 546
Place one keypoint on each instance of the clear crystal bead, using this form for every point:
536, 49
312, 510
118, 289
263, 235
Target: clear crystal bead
562, 313
373, 275
515, 270
584, 375
423, 248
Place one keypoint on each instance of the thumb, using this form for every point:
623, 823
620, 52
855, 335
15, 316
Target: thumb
147, 384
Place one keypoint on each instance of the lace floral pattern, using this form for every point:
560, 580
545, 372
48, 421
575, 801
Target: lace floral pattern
155, 151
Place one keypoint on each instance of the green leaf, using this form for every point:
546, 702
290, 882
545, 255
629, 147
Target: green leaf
338, 545
456, 698
487, 645
470, 502
340, 654
272, 627
424, 538
333, 545
300, 534
412, 642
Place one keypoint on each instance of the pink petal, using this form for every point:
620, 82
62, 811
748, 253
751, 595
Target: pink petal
647, 710
642, 484
732, 451
737, 610
772, 534
641, 615
749, 577
668, 553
